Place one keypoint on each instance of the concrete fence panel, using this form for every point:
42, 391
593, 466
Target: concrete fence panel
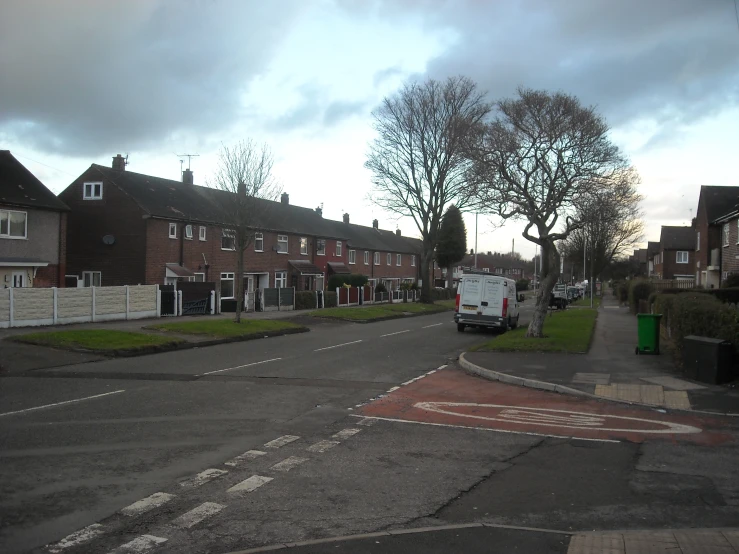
74, 305
110, 301
142, 298
33, 306
4, 307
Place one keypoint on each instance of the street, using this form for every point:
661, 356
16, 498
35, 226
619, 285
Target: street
348, 429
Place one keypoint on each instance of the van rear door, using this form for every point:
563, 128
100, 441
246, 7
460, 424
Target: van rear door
469, 302
493, 292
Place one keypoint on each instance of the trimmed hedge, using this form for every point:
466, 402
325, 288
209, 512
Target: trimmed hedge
329, 299
727, 295
732, 281
351, 279
522, 284
380, 287
639, 289
305, 300
443, 294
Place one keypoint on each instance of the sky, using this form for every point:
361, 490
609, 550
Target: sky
84, 80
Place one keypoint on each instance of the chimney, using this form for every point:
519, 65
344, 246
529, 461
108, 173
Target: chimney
240, 189
375, 224
285, 198
187, 177
346, 219
319, 211
397, 232
119, 163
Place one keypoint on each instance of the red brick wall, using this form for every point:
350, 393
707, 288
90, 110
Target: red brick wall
48, 277
729, 261
669, 266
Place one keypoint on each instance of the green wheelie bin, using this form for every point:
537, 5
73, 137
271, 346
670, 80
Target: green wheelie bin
648, 332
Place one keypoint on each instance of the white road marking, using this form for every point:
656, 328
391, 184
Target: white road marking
367, 421
548, 417
196, 515
146, 504
337, 345
322, 446
248, 455
345, 433
281, 441
139, 545
484, 429
62, 403
240, 366
396, 333
437, 369
77, 538
393, 389
202, 478
251, 484
434, 325
288, 463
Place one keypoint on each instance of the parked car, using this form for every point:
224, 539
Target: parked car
486, 301
558, 298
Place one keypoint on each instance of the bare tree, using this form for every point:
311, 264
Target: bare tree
540, 157
245, 171
416, 160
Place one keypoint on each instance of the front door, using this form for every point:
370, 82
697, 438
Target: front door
19, 279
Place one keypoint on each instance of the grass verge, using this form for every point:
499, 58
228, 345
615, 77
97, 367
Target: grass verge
226, 328
382, 311
97, 340
568, 331
585, 302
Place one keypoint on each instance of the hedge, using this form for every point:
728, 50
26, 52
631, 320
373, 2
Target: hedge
329, 299
732, 281
351, 279
305, 300
639, 289
522, 284
727, 295
443, 294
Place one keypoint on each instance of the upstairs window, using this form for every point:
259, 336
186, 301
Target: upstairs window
282, 244
228, 240
258, 242
13, 225
304, 246
377, 258
366, 257
188, 232
389, 259
92, 191
398, 259
352, 256
682, 257
338, 248
413, 261
726, 234
321, 247
173, 230
202, 232
698, 241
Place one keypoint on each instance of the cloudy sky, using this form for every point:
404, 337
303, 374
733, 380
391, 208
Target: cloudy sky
83, 80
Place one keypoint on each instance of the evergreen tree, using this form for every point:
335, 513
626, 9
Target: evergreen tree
452, 244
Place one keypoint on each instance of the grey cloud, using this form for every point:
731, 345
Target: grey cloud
315, 108
86, 77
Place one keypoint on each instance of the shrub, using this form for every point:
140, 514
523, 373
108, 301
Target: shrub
623, 293
639, 289
356, 280
522, 284
351, 279
329, 299
702, 315
305, 300
731, 281
335, 281
442, 294
414, 286
380, 287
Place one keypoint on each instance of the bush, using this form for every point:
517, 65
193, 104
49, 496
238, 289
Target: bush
639, 289
522, 284
351, 279
702, 315
335, 282
623, 293
380, 287
356, 280
442, 294
731, 281
305, 300
329, 299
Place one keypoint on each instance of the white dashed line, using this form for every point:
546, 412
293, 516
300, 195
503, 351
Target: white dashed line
281, 441
202, 478
251, 484
438, 368
393, 389
241, 366
196, 515
322, 446
139, 545
345, 433
146, 504
77, 538
248, 455
337, 345
396, 333
434, 325
288, 463
62, 403
367, 422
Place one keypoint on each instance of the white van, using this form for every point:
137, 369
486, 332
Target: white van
485, 300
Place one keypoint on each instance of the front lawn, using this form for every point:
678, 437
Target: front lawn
96, 340
226, 328
566, 331
585, 302
381, 311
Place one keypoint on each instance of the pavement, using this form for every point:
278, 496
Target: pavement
610, 370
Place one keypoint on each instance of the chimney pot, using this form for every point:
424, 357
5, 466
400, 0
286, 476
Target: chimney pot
375, 224
319, 211
397, 232
187, 177
346, 218
119, 163
285, 198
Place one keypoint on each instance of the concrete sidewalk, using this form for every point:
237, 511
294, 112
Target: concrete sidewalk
610, 370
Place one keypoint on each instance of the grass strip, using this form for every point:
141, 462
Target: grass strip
225, 328
99, 340
381, 311
585, 302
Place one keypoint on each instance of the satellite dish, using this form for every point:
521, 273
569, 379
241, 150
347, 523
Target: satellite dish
108, 239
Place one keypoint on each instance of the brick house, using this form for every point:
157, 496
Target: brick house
32, 229
652, 253
676, 256
729, 225
497, 263
714, 203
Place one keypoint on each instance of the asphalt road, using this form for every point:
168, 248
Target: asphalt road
173, 426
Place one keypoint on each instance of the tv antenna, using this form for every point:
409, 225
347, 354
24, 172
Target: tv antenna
189, 159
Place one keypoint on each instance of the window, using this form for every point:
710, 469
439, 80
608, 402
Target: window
227, 285
338, 248
92, 191
352, 256
258, 242
366, 257
698, 241
202, 232
304, 246
13, 225
199, 278
280, 279
228, 241
486, 269
173, 230
188, 232
389, 259
282, 244
91, 278
726, 234
682, 257
321, 248
377, 258
398, 259
413, 261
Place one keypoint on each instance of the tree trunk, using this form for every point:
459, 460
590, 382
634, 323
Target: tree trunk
426, 265
239, 284
449, 277
549, 275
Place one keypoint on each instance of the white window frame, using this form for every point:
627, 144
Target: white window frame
366, 257
282, 239
93, 185
486, 269
398, 259
228, 276
195, 278
280, 279
338, 248
188, 232
228, 233
321, 247
304, 246
91, 276
389, 258
678, 256
201, 232
726, 233
698, 241
173, 230
352, 257
413, 261
258, 242
7, 234
377, 258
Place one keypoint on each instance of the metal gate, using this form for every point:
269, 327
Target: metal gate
169, 298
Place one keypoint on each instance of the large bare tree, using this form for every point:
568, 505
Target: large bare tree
540, 157
416, 160
245, 171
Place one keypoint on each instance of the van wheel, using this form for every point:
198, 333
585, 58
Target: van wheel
514, 324
460, 327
